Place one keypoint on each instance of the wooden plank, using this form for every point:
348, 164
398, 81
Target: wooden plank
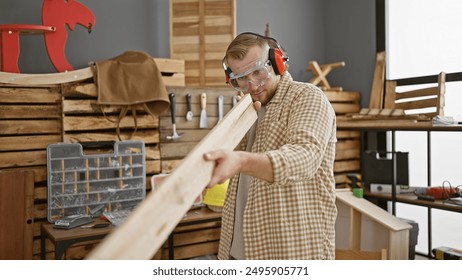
395, 249
344, 254
376, 97
27, 142
144, 231
174, 150
347, 154
30, 127
40, 172
344, 134
80, 90
371, 210
197, 236
195, 227
149, 136
341, 179
390, 94
88, 106
200, 32
22, 158
16, 217
355, 229
431, 91
202, 22
418, 104
30, 112
344, 108
70, 76
181, 109
195, 250
441, 94
177, 79
346, 165
169, 65
82, 123
347, 144
28, 95
46, 79
169, 165
40, 210
342, 96
153, 167
189, 135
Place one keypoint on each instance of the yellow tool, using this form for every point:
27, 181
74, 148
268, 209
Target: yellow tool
214, 197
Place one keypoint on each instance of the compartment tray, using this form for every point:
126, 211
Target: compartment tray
92, 184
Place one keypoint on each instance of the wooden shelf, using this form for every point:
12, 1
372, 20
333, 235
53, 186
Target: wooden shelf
412, 199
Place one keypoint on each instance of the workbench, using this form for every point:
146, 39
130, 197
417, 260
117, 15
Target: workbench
63, 239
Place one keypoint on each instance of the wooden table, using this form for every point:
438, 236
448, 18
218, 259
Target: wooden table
63, 239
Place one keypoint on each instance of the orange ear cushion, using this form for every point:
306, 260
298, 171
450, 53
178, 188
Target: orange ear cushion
227, 74
277, 60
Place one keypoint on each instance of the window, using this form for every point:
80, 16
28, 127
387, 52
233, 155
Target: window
423, 37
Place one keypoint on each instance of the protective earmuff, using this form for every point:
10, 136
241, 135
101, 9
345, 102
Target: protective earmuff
277, 60
276, 57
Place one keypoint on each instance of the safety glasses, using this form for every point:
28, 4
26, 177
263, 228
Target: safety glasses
257, 76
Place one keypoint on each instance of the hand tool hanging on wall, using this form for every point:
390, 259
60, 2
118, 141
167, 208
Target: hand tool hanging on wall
234, 100
174, 135
189, 113
220, 107
203, 118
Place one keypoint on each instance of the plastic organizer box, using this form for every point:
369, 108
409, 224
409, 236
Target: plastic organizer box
93, 184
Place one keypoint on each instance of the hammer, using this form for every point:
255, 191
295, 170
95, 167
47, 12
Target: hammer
174, 135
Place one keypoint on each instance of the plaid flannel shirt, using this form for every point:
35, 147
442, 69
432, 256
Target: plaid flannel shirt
293, 217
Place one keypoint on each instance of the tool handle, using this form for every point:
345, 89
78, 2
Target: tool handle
220, 107
188, 102
172, 98
234, 100
203, 100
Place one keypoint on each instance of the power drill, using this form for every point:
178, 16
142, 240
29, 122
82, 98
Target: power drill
438, 192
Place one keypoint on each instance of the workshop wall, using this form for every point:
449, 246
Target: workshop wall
325, 31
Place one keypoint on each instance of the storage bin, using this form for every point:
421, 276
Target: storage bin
92, 184
377, 167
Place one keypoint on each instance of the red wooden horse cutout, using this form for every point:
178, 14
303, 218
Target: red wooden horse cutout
56, 14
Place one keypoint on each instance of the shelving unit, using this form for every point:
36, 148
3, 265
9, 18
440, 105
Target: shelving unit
404, 125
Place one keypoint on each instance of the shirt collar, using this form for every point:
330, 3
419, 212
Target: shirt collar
283, 87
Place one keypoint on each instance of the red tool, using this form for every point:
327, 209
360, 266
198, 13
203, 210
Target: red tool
439, 192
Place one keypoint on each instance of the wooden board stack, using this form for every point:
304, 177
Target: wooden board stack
41, 109
347, 156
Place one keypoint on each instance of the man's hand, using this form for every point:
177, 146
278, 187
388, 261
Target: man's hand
227, 163
256, 104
